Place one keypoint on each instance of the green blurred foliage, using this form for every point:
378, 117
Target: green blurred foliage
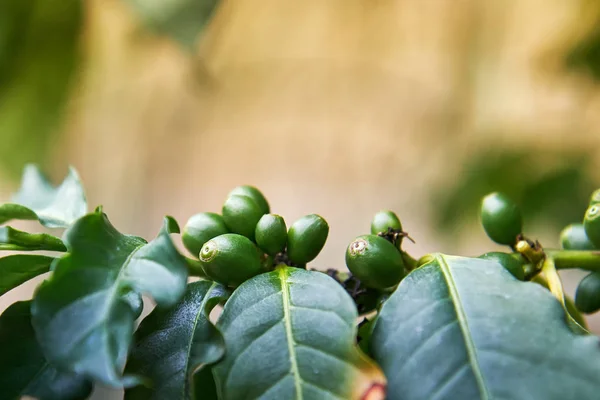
552, 187
39, 54
39, 59
585, 56
182, 20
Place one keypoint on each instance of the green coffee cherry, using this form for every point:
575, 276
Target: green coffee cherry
513, 263
501, 218
231, 259
587, 295
595, 197
573, 237
254, 194
384, 220
306, 238
376, 262
271, 234
241, 214
200, 228
591, 224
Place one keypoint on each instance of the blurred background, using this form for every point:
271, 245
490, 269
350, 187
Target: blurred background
339, 107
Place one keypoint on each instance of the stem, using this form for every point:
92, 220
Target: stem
409, 262
194, 268
569, 259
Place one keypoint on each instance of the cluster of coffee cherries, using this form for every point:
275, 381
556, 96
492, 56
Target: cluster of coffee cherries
503, 223
246, 239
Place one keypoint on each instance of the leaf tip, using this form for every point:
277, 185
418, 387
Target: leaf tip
371, 383
377, 391
171, 225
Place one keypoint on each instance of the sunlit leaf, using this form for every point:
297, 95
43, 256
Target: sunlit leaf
54, 207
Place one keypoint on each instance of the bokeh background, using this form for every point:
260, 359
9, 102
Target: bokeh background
338, 107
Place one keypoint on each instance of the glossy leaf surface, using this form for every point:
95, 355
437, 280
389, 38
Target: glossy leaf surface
54, 207
17, 269
290, 334
461, 328
171, 344
84, 314
23, 368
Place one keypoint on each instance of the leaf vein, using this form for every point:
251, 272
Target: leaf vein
230, 322
246, 348
422, 345
324, 311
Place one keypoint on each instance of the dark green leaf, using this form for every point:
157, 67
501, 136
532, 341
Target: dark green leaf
19, 268
55, 207
23, 369
365, 330
461, 328
171, 344
183, 20
205, 387
39, 54
290, 334
84, 314
13, 239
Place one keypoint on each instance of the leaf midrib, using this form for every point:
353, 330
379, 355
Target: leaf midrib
283, 275
464, 327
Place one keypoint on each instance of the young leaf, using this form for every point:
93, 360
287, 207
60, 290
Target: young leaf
290, 334
37, 199
19, 268
171, 344
13, 239
23, 368
84, 314
183, 20
466, 329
